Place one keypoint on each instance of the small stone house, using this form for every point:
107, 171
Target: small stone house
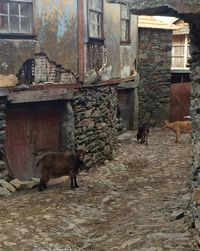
69, 56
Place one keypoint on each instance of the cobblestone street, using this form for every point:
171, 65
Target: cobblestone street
130, 203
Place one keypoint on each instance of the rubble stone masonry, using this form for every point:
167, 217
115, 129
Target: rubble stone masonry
3, 170
95, 114
155, 74
195, 114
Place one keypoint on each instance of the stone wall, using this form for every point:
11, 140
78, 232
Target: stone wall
95, 113
195, 114
3, 170
155, 74
88, 121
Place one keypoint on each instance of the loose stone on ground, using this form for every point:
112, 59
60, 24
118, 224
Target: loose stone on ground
125, 204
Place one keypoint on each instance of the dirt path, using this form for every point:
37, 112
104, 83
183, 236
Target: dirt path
127, 204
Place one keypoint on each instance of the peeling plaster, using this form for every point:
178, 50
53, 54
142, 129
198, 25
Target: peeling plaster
125, 71
106, 73
56, 25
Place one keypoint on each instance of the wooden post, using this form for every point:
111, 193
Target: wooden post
185, 51
81, 40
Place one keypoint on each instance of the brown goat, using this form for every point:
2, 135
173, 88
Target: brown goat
179, 127
56, 164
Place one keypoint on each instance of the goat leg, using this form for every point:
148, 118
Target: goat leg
72, 182
43, 181
177, 135
75, 182
138, 137
42, 185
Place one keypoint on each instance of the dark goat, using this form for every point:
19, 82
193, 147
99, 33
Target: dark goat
142, 133
56, 164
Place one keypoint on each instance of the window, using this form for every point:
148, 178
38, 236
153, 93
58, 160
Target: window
95, 9
125, 23
180, 51
16, 16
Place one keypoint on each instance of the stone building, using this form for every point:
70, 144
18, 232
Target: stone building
189, 11
69, 56
155, 44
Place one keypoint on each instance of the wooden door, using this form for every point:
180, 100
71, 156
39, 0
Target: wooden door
19, 145
179, 101
46, 131
126, 104
31, 132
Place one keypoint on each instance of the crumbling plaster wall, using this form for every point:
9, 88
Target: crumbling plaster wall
129, 53
121, 57
112, 37
56, 35
117, 60
13, 53
57, 31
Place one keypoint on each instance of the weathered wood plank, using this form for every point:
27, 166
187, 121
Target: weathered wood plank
40, 95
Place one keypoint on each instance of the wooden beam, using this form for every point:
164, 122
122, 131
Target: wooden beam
119, 80
53, 86
28, 96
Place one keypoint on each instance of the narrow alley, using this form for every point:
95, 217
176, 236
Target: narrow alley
130, 203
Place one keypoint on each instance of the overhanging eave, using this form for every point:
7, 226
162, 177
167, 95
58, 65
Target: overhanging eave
178, 8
